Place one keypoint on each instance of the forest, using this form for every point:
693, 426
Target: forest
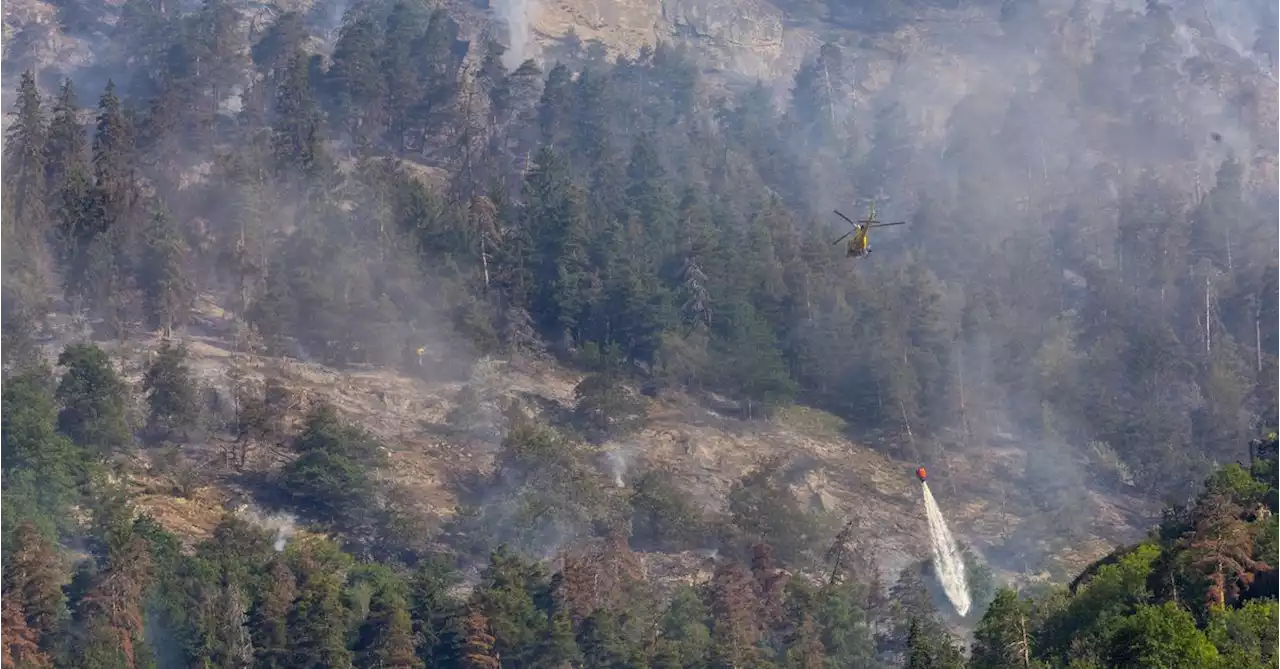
350, 207
1198, 592
1106, 290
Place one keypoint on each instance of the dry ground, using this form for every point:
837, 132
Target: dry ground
705, 451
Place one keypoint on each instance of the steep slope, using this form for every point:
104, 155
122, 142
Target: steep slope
989, 485
980, 487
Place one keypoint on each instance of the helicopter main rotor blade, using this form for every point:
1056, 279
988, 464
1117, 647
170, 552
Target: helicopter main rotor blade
842, 237
885, 225
845, 218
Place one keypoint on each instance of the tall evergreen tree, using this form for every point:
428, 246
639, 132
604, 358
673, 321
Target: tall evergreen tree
113, 160
67, 142
171, 392
93, 399
166, 290
355, 82
317, 622
25, 160
297, 131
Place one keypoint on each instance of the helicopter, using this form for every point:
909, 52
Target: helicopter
860, 245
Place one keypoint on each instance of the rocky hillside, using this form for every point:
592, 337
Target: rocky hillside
981, 487
992, 484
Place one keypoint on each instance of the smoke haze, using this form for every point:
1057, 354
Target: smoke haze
518, 15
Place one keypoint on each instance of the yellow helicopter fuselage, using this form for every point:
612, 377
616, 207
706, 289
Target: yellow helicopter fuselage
858, 242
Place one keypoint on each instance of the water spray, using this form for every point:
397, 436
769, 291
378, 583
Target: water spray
947, 561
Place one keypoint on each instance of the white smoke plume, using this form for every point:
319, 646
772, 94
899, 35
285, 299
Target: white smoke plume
518, 16
617, 467
617, 461
285, 525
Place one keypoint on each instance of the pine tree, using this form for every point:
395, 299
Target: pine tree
317, 622
817, 91
111, 282
432, 610
649, 198
506, 598
355, 81
844, 618
804, 650
160, 134
19, 644
750, 360
42, 468
553, 217
405, 24
78, 224
233, 628
919, 653
602, 642
736, 625
112, 610
435, 50
113, 160
274, 51
67, 141
171, 391
218, 48
167, 292
25, 161
296, 132
269, 618
33, 580
93, 400
1003, 638
478, 650
25, 288
387, 634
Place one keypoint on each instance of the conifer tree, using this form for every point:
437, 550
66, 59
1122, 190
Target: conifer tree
166, 290
317, 622
78, 225
19, 644
67, 141
405, 24
297, 131
112, 610
113, 160
737, 627
171, 392
478, 645
268, 620
93, 399
42, 468
1003, 638
385, 638
355, 82
26, 161
33, 579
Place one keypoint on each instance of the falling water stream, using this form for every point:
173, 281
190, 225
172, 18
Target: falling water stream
947, 561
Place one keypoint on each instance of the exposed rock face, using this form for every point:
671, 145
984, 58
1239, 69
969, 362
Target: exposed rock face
747, 37
32, 39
